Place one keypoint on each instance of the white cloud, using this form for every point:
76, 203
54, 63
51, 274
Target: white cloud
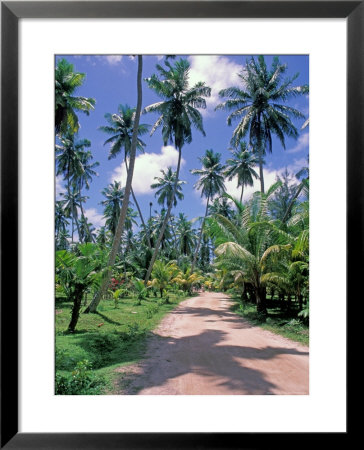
302, 144
95, 217
113, 59
148, 166
270, 177
218, 72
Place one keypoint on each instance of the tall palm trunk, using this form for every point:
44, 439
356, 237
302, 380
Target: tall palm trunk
261, 177
242, 192
166, 218
83, 215
138, 208
124, 209
200, 236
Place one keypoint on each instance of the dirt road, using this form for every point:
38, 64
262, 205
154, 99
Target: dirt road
204, 348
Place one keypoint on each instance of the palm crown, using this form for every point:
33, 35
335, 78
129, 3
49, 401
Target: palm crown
66, 82
121, 129
165, 186
241, 167
178, 110
211, 181
260, 107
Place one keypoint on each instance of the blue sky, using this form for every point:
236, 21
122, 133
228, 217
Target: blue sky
111, 80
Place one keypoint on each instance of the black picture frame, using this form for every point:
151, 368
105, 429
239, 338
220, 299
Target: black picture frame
11, 12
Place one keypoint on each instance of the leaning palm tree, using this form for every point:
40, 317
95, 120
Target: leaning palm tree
120, 127
241, 166
260, 106
211, 183
178, 113
120, 227
165, 188
66, 103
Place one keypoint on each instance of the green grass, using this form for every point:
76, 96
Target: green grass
110, 338
278, 322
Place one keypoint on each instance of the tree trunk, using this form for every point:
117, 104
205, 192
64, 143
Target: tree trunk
242, 192
166, 218
138, 208
261, 176
200, 236
124, 209
77, 300
260, 296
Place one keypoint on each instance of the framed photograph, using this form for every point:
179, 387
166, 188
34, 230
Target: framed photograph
110, 49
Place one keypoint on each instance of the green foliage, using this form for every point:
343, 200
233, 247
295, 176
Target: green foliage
140, 289
81, 381
151, 310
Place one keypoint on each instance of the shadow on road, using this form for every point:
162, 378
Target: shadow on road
207, 355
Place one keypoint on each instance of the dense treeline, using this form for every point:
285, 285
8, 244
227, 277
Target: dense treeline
256, 248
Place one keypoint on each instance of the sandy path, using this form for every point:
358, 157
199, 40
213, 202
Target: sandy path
203, 348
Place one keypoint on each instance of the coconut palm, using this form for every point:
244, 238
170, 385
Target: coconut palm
241, 166
68, 161
60, 221
210, 183
162, 275
66, 103
78, 273
84, 178
120, 226
247, 246
102, 237
165, 185
186, 235
221, 205
114, 195
72, 204
87, 230
120, 128
178, 113
260, 106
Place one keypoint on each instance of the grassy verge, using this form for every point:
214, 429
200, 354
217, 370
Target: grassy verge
110, 338
278, 322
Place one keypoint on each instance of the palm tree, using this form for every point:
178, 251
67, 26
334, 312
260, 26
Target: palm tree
68, 159
120, 128
186, 235
119, 229
241, 167
260, 106
221, 206
165, 185
304, 175
87, 230
85, 177
72, 203
67, 81
102, 237
60, 221
178, 113
243, 248
211, 182
114, 195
